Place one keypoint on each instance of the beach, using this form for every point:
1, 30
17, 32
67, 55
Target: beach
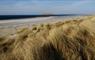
9, 26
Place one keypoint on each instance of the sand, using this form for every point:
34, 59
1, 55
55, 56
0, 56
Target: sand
9, 26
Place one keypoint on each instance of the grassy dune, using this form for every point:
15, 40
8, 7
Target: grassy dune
72, 39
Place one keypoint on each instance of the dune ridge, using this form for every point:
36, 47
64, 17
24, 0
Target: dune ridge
63, 40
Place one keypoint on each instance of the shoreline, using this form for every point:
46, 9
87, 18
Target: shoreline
30, 21
10, 26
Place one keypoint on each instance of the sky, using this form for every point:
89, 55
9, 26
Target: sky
33, 7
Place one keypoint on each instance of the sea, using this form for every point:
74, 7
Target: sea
10, 17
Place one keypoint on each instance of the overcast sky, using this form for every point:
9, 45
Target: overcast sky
23, 7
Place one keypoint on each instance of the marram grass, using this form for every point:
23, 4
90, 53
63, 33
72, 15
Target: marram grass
67, 40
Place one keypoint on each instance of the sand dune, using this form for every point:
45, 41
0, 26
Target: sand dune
71, 39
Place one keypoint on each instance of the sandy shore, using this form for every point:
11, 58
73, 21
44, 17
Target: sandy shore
20, 22
9, 26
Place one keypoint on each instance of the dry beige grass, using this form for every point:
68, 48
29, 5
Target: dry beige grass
67, 40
